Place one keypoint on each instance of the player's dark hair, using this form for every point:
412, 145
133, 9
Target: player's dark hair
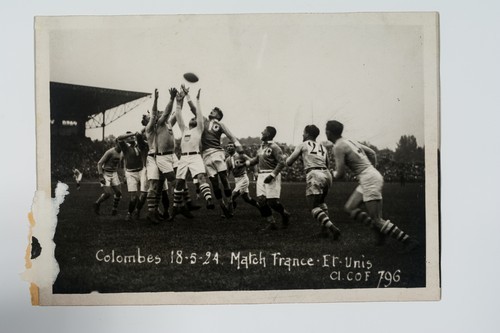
312, 131
219, 112
272, 132
334, 127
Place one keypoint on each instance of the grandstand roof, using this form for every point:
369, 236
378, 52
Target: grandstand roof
74, 102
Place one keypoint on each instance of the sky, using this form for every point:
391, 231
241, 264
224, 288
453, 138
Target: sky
285, 71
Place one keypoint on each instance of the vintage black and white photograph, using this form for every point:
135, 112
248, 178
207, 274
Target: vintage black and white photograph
256, 158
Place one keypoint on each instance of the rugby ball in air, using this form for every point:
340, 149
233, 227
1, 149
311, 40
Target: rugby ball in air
191, 77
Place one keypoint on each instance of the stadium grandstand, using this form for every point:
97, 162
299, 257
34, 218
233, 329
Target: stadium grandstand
73, 110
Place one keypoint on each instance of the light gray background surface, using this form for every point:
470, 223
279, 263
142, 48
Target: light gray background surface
470, 72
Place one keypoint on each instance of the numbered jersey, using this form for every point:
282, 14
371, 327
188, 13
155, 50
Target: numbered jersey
236, 164
270, 154
314, 154
354, 156
211, 134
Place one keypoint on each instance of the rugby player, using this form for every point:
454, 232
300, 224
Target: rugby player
134, 150
318, 177
78, 177
161, 157
190, 160
361, 160
271, 161
236, 164
144, 176
108, 177
215, 158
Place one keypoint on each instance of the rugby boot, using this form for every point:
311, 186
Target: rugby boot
285, 219
210, 204
96, 208
225, 210
410, 245
151, 217
334, 231
191, 206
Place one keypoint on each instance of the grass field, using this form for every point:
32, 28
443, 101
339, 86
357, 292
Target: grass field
92, 250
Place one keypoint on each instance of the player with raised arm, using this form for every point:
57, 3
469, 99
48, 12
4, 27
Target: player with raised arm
236, 165
191, 160
318, 177
361, 160
134, 150
161, 157
215, 158
271, 161
107, 168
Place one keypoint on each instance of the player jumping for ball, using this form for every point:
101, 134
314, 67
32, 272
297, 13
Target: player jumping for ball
361, 160
318, 177
191, 160
215, 159
162, 161
271, 161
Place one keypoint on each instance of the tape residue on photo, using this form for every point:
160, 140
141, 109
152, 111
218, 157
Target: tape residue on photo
41, 266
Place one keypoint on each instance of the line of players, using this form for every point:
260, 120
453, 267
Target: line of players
202, 155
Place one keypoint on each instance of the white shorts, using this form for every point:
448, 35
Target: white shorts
318, 182
215, 162
192, 163
271, 190
241, 184
152, 169
370, 184
153, 173
133, 180
144, 180
167, 163
78, 178
111, 178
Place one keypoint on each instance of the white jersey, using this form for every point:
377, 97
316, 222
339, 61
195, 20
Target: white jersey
354, 156
190, 141
314, 154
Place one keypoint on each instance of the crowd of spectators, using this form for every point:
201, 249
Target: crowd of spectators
82, 153
73, 152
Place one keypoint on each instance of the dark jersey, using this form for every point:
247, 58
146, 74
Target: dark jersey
236, 165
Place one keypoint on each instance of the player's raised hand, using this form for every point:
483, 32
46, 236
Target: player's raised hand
198, 95
185, 89
156, 93
173, 93
269, 179
180, 96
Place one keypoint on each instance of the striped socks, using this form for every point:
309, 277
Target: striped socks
320, 216
205, 191
391, 229
178, 197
